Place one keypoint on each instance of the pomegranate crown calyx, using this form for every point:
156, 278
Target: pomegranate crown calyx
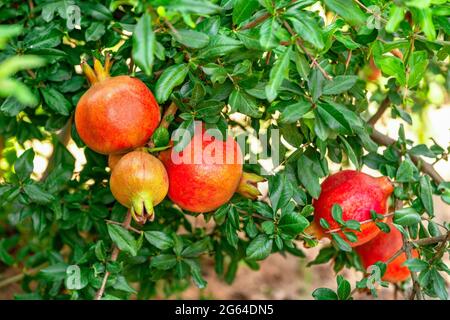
142, 209
100, 72
248, 186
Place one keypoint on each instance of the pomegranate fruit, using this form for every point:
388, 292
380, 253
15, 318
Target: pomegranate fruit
357, 193
382, 248
116, 114
205, 174
113, 159
139, 181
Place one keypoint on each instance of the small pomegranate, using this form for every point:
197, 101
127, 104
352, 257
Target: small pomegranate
116, 114
205, 174
113, 159
357, 193
382, 248
139, 181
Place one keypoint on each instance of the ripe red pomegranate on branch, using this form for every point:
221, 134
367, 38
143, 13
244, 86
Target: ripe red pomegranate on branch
205, 174
382, 248
116, 114
357, 194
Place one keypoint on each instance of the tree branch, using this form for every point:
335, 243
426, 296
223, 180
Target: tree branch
423, 166
383, 107
114, 255
257, 21
20, 276
427, 241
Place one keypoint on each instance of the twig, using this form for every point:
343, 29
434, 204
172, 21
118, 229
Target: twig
427, 241
257, 21
394, 256
114, 256
22, 275
441, 248
300, 44
407, 248
31, 5
170, 111
383, 107
423, 166
361, 222
121, 224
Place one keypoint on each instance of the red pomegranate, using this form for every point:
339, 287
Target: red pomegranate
205, 174
116, 114
139, 181
382, 248
357, 193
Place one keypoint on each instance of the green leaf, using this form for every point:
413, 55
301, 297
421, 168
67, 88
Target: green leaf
260, 248
267, 33
341, 243
315, 83
231, 233
334, 119
243, 10
418, 63
171, 77
295, 111
439, 284
426, 194
15, 88
324, 294
336, 213
54, 272
37, 194
123, 239
405, 172
164, 261
12, 107
159, 239
416, 265
201, 7
280, 192
278, 73
5, 257
308, 29
396, 16
24, 164
348, 10
122, 284
244, 103
292, 223
425, 17
191, 38
268, 227
196, 248
187, 128
144, 45
406, 217
13, 64
56, 101
351, 153
220, 45
95, 31
392, 66
344, 289
309, 178
339, 84
196, 273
